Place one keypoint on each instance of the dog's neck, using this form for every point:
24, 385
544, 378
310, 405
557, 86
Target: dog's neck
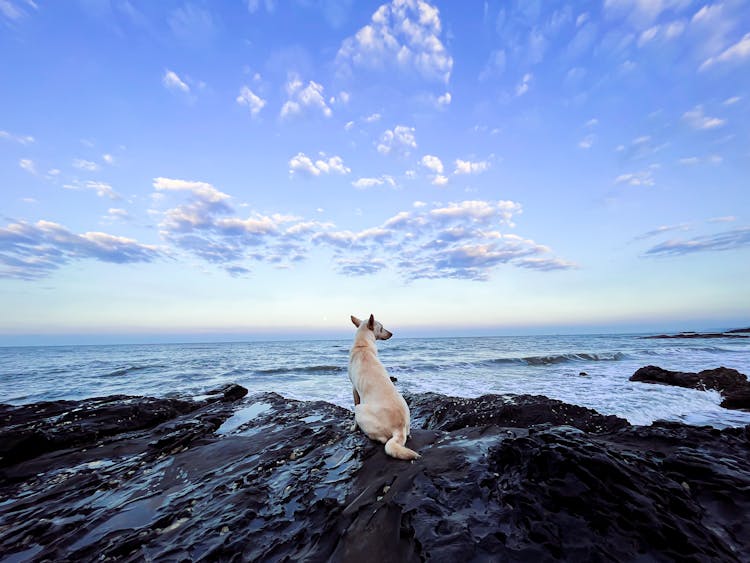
364, 340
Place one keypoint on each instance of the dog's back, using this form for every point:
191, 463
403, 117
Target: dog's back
380, 410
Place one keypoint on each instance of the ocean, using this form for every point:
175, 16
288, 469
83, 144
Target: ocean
466, 367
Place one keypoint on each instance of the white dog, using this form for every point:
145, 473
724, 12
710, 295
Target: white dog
379, 409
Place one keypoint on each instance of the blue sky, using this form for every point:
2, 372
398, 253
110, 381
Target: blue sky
266, 168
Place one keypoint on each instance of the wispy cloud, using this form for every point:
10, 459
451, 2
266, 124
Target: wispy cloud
102, 189
86, 165
28, 165
642, 178
698, 120
727, 240
172, 81
402, 33
21, 139
663, 229
523, 86
364, 183
737, 52
34, 251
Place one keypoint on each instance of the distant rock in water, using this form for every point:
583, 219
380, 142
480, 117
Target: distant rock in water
736, 330
727, 334
502, 478
732, 385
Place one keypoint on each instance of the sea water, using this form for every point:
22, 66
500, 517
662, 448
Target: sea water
465, 367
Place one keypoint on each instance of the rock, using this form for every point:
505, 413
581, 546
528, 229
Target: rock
728, 334
393, 379
510, 478
583, 373
732, 384
738, 330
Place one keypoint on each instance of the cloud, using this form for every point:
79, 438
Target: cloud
192, 24
643, 178
469, 167
108, 158
439, 180
301, 97
663, 229
114, 214
727, 240
21, 139
642, 13
172, 81
463, 240
372, 118
254, 5
28, 165
523, 86
401, 138
432, 163
404, 34
736, 53
725, 219
86, 165
303, 164
12, 11
495, 65
102, 189
443, 101
364, 183
248, 98
697, 120
34, 251
731, 101
587, 142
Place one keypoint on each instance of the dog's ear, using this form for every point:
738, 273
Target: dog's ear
356, 321
371, 322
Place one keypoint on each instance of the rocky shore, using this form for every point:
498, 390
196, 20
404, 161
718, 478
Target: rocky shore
235, 478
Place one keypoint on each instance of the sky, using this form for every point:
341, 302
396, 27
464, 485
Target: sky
265, 168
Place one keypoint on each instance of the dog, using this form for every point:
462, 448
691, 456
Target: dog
379, 409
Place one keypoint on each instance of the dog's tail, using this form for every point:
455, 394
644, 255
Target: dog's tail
395, 447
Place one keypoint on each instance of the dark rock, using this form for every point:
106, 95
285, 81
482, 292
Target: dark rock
732, 384
508, 478
736, 330
393, 379
728, 334
583, 373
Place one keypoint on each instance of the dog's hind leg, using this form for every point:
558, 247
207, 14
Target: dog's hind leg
356, 402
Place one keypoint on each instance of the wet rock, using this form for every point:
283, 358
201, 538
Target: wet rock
732, 384
727, 334
510, 478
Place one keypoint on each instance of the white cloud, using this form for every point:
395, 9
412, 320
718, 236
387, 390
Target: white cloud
593, 122
444, 100
22, 139
28, 165
172, 81
469, 167
731, 101
523, 86
108, 158
737, 52
643, 178
364, 183
587, 142
725, 219
200, 190
372, 118
697, 120
114, 213
12, 11
302, 97
248, 98
495, 65
439, 180
432, 163
648, 35
103, 189
404, 33
87, 165
303, 164
349, 125
400, 137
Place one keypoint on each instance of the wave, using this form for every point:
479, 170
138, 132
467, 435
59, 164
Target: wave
561, 359
306, 369
129, 369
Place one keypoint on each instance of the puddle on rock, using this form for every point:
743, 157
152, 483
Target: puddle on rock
242, 416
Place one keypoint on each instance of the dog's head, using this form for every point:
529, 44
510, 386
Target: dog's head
380, 332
